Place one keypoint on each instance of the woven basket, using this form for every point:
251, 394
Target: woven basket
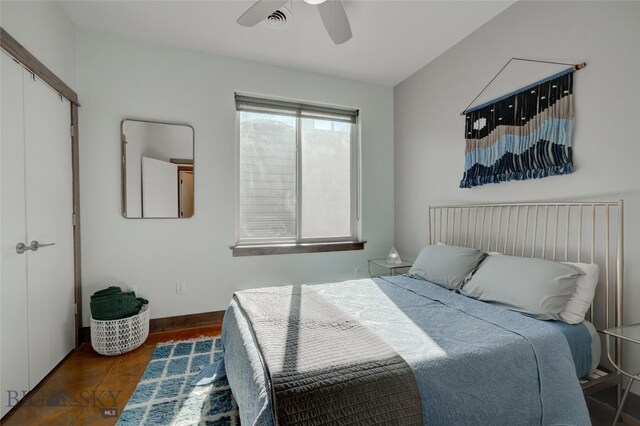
116, 337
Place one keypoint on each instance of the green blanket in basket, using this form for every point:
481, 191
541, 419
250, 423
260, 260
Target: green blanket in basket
112, 303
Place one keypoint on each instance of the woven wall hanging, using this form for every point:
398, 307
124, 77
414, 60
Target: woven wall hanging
526, 134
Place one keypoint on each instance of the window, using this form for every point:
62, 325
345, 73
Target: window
297, 172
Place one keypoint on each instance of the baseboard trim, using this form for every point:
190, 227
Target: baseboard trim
171, 323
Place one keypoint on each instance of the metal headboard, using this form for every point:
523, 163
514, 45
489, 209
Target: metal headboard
590, 232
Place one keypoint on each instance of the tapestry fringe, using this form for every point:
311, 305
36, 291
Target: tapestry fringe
529, 174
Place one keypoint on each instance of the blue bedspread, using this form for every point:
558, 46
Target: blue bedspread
474, 363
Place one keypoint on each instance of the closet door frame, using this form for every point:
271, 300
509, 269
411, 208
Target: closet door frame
14, 49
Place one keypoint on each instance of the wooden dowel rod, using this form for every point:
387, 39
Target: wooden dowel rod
576, 67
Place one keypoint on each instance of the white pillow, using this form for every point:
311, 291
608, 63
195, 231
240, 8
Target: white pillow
581, 299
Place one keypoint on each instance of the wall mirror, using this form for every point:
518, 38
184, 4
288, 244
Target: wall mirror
157, 169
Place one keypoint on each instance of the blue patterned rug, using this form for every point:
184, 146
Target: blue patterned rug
166, 396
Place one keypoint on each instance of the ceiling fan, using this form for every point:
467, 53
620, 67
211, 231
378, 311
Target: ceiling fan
332, 12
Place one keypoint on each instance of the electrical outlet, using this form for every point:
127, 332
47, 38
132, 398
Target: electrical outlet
181, 287
133, 288
356, 271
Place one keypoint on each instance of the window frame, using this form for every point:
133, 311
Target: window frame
251, 246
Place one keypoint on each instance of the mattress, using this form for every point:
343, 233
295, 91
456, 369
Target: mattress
446, 338
584, 344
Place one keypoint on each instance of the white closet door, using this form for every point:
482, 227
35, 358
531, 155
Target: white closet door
159, 188
13, 267
49, 220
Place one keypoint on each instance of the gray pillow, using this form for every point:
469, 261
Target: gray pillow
537, 287
448, 266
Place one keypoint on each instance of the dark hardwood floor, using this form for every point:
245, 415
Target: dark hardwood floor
98, 382
95, 381
602, 414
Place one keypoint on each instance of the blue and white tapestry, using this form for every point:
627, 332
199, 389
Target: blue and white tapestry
525, 134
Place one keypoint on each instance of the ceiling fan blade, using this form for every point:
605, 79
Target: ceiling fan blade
335, 20
259, 11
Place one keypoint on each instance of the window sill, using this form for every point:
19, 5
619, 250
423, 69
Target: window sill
261, 250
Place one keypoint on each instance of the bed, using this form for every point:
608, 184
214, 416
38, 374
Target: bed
473, 362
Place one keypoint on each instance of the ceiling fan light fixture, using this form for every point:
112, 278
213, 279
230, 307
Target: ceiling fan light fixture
315, 2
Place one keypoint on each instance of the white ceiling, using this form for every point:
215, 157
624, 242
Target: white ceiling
391, 39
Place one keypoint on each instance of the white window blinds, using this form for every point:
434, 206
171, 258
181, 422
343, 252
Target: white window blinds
298, 167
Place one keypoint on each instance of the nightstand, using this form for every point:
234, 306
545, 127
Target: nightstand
628, 333
390, 267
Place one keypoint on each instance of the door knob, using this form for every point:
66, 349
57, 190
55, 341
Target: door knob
34, 246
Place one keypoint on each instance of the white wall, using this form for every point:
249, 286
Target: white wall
429, 132
120, 78
44, 29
